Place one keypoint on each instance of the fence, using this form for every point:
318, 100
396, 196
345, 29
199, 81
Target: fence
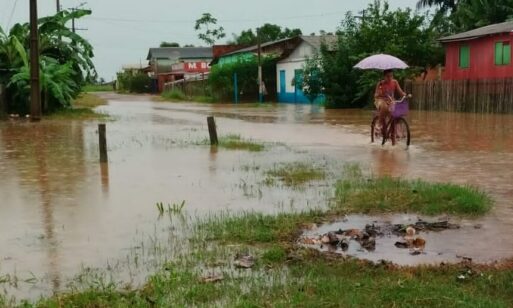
480, 96
191, 87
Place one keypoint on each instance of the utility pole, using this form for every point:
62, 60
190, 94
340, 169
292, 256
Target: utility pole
58, 3
73, 21
260, 84
35, 91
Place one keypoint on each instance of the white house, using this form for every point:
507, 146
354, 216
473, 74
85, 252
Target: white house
291, 67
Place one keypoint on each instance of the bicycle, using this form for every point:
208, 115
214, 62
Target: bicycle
397, 128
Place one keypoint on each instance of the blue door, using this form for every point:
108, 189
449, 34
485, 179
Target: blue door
283, 85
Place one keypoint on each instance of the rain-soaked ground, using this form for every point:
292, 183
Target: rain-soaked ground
61, 211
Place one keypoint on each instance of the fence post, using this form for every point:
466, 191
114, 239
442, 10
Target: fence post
212, 131
102, 133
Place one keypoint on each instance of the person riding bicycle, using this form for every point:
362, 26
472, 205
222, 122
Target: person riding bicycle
385, 94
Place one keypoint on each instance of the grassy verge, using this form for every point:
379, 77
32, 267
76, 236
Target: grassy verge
82, 110
294, 174
177, 95
97, 88
87, 100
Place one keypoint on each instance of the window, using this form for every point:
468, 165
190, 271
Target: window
502, 53
464, 56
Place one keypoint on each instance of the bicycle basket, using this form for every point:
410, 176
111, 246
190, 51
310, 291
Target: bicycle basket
400, 109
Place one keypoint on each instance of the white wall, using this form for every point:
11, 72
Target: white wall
295, 61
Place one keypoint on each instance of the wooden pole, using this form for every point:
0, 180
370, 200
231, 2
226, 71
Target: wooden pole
260, 85
212, 130
235, 88
35, 91
58, 3
102, 132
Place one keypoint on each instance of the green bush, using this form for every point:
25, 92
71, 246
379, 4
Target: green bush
134, 83
221, 78
174, 95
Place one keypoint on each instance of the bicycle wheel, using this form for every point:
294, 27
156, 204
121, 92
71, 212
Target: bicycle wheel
375, 130
401, 133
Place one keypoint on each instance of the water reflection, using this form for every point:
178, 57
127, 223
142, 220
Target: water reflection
104, 172
48, 162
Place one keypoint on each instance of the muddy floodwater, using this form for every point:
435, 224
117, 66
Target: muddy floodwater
62, 212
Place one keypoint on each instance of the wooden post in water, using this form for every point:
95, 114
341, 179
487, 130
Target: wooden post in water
212, 130
102, 132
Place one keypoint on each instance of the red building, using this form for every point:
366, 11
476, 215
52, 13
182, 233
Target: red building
483, 53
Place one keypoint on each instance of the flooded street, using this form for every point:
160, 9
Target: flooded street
62, 211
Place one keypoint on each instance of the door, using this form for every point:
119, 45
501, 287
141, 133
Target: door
298, 91
283, 84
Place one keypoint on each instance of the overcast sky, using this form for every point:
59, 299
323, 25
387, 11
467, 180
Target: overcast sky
121, 31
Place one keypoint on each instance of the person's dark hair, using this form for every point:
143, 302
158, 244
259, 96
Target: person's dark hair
387, 71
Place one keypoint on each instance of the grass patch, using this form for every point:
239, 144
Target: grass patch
368, 195
294, 174
97, 88
177, 95
77, 114
236, 142
174, 95
87, 100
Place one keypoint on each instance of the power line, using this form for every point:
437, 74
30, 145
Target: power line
175, 21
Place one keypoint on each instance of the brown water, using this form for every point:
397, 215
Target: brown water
61, 210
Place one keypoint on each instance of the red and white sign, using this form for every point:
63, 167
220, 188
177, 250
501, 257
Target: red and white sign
196, 67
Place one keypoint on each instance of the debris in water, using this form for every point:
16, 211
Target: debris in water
425, 226
402, 245
244, 261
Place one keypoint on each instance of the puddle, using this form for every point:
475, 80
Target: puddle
441, 246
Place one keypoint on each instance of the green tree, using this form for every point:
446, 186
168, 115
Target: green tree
169, 44
268, 33
211, 34
66, 61
310, 80
470, 14
402, 33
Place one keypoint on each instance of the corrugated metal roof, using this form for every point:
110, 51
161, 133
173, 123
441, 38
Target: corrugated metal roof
504, 27
313, 40
316, 41
176, 53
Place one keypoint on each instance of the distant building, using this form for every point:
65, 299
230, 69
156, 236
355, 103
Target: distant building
483, 53
291, 54
290, 68
174, 63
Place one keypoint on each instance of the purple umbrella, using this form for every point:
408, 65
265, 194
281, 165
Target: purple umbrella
381, 62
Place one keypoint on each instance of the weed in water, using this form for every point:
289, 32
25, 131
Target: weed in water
294, 174
235, 142
175, 208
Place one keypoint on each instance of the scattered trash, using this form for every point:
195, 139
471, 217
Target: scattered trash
244, 261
